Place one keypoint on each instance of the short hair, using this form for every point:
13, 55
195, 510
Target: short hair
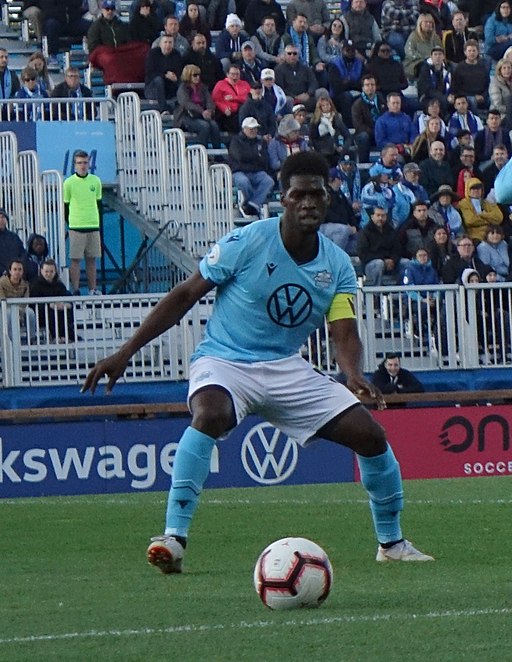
50, 262
419, 203
28, 73
304, 163
368, 77
80, 154
500, 146
390, 95
493, 111
459, 96
472, 42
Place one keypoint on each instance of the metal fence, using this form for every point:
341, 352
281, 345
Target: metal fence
443, 327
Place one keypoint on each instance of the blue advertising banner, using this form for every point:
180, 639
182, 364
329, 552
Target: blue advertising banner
95, 457
25, 133
56, 142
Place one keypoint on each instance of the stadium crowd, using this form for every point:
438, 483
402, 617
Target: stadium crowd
425, 85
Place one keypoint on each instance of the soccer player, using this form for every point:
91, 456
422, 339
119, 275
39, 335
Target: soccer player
285, 277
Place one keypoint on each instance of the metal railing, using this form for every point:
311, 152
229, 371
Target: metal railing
457, 328
55, 110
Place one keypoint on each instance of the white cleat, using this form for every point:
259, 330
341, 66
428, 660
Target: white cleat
402, 551
166, 553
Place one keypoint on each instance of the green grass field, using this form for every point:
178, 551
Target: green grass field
75, 584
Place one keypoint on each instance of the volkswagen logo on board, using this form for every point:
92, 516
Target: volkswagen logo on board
268, 456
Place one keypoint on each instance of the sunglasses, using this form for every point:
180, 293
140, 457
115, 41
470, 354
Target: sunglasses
26, 80
291, 53
193, 75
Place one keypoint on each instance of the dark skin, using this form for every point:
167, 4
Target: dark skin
305, 203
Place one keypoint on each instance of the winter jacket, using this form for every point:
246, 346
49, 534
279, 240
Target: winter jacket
279, 149
11, 247
108, 33
474, 221
361, 28
496, 256
32, 261
412, 235
494, 28
186, 108
420, 274
418, 51
257, 10
226, 45
405, 381
378, 243
362, 119
10, 291
389, 73
344, 75
267, 48
239, 93
394, 128
374, 194
262, 112
248, 154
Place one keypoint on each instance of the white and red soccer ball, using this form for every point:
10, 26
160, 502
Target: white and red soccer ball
292, 573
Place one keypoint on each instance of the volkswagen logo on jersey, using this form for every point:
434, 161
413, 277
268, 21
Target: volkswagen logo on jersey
290, 305
268, 456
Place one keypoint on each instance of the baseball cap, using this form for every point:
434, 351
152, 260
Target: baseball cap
267, 74
108, 4
248, 44
348, 44
250, 123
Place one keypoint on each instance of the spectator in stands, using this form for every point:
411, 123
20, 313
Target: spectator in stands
71, 88
33, 14
315, 12
398, 20
273, 95
340, 223
38, 62
365, 110
94, 9
161, 8
420, 149
378, 192
478, 12
350, 178
419, 45
300, 114
195, 108
435, 171
405, 195
421, 304
390, 377
9, 82
489, 137
463, 118
360, 27
11, 246
411, 181
112, 50
417, 231
389, 159
465, 258
286, 142
298, 37
328, 133
62, 18
228, 48
57, 317
250, 65
471, 77
455, 40
388, 73
443, 211
37, 252
498, 159
228, 95
172, 29
268, 43
256, 107
378, 248
498, 31
440, 249
465, 169
500, 91
463, 139
493, 250
258, 12
394, 126
29, 90
431, 108
476, 212
144, 24
163, 70
435, 79
193, 23
201, 56
297, 79
248, 158
330, 44
344, 76
82, 211
14, 286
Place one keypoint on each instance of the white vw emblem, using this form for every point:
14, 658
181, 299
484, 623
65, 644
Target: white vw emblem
268, 456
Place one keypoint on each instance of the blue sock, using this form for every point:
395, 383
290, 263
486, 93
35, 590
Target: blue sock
380, 476
190, 470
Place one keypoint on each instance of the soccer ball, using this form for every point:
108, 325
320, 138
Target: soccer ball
292, 573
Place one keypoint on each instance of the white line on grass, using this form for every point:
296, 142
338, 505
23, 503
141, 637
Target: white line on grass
244, 625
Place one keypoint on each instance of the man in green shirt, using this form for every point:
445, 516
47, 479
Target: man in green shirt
82, 209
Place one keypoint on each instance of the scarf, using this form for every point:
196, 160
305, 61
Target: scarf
6, 87
491, 140
325, 126
374, 105
301, 41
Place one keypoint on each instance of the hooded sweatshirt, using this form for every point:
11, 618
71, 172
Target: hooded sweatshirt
477, 214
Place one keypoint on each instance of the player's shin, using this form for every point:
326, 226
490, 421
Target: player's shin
380, 476
190, 470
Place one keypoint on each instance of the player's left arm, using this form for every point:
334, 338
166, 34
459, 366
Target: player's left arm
349, 349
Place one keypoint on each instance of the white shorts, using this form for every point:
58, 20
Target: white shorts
288, 393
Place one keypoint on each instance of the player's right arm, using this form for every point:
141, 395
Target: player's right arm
168, 312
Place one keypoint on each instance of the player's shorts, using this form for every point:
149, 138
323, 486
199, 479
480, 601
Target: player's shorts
288, 393
84, 244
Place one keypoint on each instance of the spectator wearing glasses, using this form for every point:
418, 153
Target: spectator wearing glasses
298, 36
297, 79
72, 88
195, 108
29, 90
228, 95
388, 73
465, 258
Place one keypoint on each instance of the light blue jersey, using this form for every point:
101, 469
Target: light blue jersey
267, 305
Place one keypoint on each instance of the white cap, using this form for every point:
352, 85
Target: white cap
267, 73
250, 123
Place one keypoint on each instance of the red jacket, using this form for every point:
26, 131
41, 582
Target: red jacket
239, 91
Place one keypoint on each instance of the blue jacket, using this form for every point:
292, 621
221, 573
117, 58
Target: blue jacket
496, 257
494, 28
394, 128
226, 45
420, 274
